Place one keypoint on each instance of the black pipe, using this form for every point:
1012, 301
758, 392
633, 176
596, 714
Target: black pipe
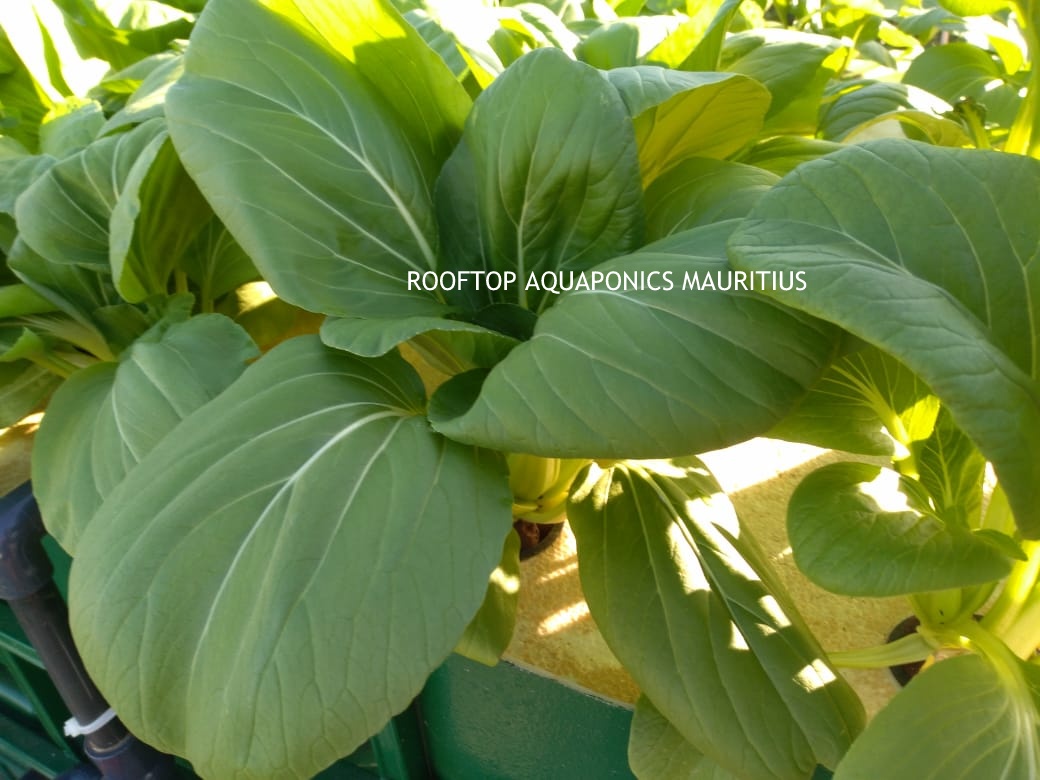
24, 565
81, 772
26, 583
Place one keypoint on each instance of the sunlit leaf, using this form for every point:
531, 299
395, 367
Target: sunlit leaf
489, 633
795, 68
853, 533
871, 269
685, 600
866, 402
679, 115
326, 164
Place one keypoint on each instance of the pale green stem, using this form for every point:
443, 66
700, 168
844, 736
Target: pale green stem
1019, 587
438, 356
969, 635
1023, 636
977, 128
1024, 136
55, 364
908, 649
938, 607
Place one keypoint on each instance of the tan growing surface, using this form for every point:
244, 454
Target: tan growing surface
556, 634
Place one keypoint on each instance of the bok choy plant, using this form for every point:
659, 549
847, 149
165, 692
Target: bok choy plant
947, 376
330, 527
276, 540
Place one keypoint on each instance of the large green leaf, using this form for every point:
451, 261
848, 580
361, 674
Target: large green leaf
106, 418
616, 43
702, 190
954, 303
962, 719
954, 70
321, 162
288, 566
541, 184
656, 750
64, 215
959, 70
679, 115
687, 603
855, 534
696, 44
724, 366
794, 66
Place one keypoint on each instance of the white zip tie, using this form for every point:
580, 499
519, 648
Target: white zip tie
73, 728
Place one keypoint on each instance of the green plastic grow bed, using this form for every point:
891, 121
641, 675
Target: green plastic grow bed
471, 721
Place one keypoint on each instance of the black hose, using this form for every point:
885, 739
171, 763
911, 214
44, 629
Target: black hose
27, 585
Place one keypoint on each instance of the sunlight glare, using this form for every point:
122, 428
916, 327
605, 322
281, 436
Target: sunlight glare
563, 618
687, 563
776, 613
559, 572
815, 676
736, 639
507, 583
758, 460
885, 492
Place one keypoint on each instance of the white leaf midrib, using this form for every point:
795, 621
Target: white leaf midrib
289, 483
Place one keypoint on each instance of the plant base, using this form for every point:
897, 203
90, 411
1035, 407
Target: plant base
535, 537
